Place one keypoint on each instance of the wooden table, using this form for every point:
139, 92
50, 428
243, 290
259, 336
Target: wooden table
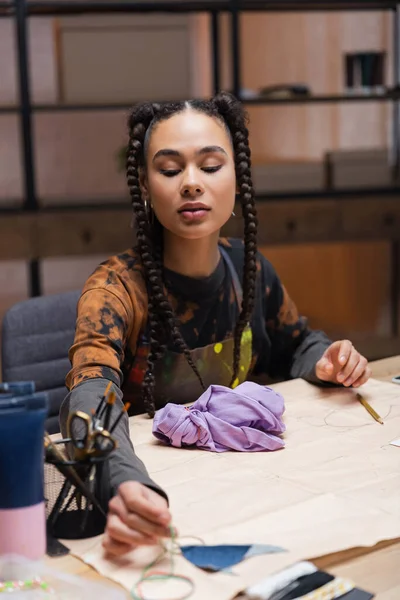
376, 570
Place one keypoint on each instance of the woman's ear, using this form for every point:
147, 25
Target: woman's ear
144, 187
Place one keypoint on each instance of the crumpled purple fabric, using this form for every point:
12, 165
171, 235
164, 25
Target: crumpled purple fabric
247, 419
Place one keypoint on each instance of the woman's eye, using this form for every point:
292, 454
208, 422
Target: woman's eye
211, 169
174, 172
169, 172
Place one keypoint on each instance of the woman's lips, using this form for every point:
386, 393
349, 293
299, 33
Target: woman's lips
194, 215
193, 212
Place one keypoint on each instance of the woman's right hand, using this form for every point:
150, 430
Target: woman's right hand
138, 516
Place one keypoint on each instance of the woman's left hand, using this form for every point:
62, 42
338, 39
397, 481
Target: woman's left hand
342, 364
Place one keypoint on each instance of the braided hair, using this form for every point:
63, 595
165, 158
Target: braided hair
162, 320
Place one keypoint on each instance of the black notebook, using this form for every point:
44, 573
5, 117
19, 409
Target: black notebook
357, 594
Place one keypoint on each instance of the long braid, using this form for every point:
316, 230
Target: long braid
232, 112
139, 123
173, 324
162, 320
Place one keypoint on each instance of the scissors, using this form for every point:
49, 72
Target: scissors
88, 441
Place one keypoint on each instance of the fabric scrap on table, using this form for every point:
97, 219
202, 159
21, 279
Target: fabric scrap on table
224, 556
247, 419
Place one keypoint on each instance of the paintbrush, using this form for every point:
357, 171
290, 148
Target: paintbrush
125, 409
110, 403
101, 407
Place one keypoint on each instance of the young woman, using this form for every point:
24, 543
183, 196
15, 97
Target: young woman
185, 309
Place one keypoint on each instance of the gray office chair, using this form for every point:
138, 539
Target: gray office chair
36, 337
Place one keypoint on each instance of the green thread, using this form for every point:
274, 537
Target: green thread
9, 587
160, 576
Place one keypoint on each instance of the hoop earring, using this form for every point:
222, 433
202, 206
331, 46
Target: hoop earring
233, 214
149, 212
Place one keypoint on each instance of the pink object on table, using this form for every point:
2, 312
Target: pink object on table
23, 531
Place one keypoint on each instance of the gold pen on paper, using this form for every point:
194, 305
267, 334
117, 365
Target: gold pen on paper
369, 408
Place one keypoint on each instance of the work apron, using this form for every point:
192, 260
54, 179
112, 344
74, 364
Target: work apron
175, 380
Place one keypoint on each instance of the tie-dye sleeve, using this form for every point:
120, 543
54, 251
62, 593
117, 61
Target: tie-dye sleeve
295, 348
104, 321
108, 320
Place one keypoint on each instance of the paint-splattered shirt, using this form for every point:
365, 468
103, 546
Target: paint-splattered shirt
110, 341
111, 329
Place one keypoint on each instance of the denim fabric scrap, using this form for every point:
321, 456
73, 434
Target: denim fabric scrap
218, 558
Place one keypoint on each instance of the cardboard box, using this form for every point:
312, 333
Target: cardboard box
359, 168
288, 177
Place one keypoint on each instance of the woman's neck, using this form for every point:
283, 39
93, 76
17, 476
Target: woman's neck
193, 258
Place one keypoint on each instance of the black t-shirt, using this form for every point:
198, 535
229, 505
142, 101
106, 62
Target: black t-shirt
207, 310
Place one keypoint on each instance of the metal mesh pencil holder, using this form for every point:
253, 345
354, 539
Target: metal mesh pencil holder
72, 507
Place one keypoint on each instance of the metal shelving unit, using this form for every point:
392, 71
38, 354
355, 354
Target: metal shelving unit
75, 7
312, 99
22, 10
